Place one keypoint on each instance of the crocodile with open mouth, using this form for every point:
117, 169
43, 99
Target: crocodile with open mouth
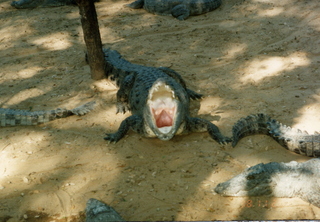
158, 100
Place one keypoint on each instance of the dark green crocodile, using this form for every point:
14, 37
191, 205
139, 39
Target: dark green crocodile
158, 100
23, 4
294, 140
180, 9
30, 4
12, 117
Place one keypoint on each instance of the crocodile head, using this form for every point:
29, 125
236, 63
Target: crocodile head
163, 114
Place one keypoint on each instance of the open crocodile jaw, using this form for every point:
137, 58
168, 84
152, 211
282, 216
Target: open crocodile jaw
163, 108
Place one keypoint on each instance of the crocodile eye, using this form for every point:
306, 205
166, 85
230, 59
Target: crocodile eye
250, 177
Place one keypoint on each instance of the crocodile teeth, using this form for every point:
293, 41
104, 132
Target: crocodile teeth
165, 129
161, 88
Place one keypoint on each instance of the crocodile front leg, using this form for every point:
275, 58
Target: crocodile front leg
136, 4
180, 12
133, 122
202, 125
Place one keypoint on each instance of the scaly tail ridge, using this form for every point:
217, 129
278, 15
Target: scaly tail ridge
12, 117
83, 109
295, 140
250, 125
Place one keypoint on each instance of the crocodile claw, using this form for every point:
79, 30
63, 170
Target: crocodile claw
111, 137
224, 140
122, 108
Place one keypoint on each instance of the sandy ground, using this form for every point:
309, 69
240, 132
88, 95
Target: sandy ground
246, 57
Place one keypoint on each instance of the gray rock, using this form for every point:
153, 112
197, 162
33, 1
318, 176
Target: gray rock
96, 211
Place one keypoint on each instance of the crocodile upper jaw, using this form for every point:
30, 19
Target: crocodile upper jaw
162, 104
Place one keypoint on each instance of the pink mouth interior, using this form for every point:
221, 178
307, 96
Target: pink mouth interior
163, 107
163, 117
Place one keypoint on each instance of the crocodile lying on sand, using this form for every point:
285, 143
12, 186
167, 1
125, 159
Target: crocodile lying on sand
180, 9
22, 4
277, 179
158, 100
96, 211
292, 139
12, 117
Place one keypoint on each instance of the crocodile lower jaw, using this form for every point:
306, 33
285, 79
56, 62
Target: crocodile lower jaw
165, 129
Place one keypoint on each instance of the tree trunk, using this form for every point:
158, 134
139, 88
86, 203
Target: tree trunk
92, 38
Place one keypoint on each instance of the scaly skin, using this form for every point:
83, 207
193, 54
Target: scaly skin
292, 139
96, 211
11, 117
24, 4
158, 100
180, 9
277, 179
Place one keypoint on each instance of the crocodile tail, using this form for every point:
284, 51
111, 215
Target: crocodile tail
117, 68
11, 117
250, 125
295, 140
83, 109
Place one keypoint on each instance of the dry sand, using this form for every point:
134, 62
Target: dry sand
246, 57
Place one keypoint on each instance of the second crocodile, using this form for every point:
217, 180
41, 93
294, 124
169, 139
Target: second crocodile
158, 100
23, 4
180, 9
30, 4
277, 179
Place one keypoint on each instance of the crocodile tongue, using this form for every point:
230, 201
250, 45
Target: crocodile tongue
163, 118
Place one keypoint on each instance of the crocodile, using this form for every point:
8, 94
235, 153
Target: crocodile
30, 4
23, 4
180, 9
13, 117
291, 179
158, 100
292, 139
97, 211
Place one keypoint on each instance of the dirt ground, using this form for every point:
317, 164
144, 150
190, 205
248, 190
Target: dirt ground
246, 57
